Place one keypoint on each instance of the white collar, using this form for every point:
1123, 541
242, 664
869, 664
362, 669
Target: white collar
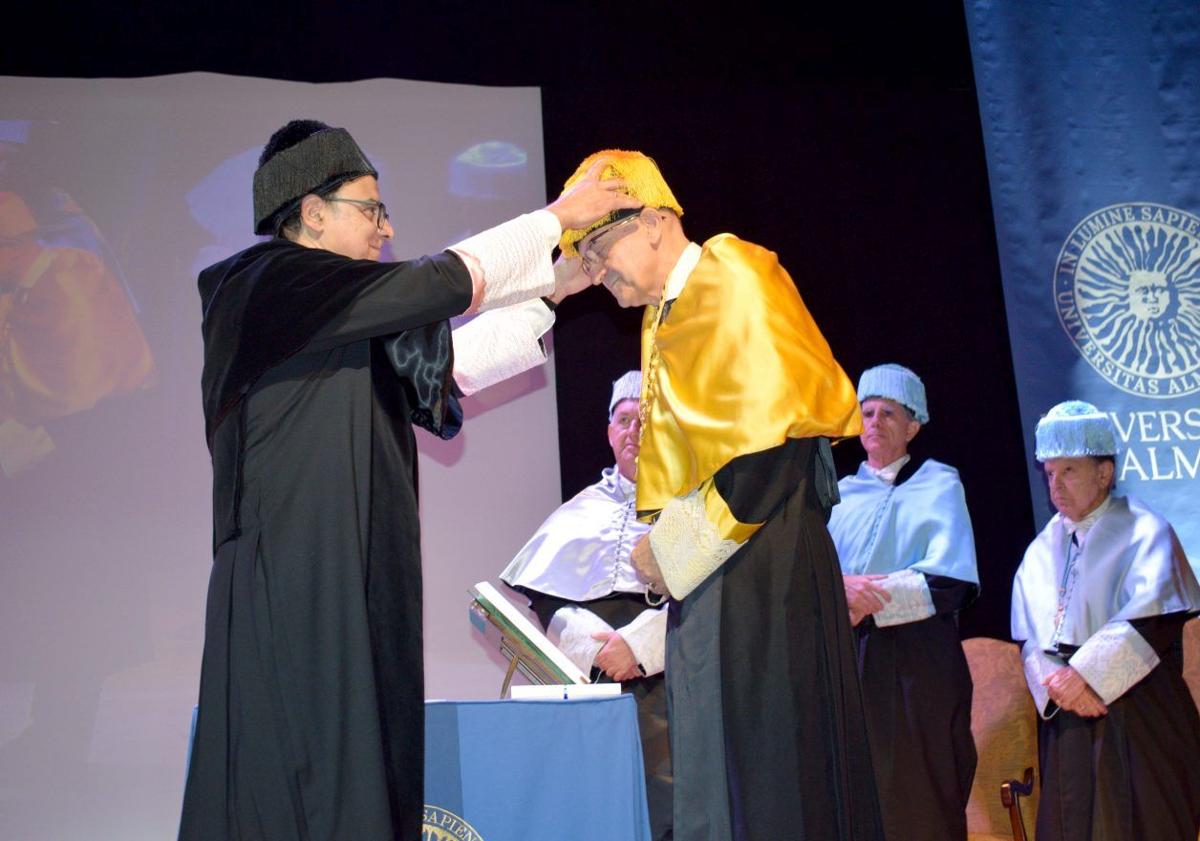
889, 472
1081, 528
678, 276
626, 487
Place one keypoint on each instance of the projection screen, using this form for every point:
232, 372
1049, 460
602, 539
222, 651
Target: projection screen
113, 194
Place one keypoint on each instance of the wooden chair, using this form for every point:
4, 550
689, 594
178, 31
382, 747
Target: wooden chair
1004, 725
1191, 657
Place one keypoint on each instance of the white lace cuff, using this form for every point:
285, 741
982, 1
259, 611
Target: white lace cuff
571, 629
911, 600
1114, 659
686, 545
647, 637
515, 258
1038, 666
500, 344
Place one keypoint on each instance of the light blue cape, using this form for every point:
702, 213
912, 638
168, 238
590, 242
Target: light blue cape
920, 524
1131, 567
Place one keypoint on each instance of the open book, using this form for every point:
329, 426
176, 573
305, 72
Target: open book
527, 648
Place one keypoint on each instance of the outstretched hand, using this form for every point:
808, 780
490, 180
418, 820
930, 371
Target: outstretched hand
590, 199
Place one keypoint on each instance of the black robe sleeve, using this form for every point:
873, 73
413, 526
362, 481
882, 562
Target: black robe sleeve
276, 299
1162, 632
411, 294
950, 595
755, 485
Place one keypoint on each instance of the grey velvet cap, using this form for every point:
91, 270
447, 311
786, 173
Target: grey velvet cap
298, 170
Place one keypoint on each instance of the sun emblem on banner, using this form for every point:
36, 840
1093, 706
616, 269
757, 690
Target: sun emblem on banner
442, 825
1127, 292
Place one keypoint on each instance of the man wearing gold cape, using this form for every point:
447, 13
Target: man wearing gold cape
740, 398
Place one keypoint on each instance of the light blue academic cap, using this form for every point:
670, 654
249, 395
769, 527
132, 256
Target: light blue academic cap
1074, 428
626, 387
895, 382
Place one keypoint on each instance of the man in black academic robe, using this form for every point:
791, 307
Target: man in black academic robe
318, 360
740, 395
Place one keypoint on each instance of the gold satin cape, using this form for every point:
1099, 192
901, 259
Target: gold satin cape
741, 367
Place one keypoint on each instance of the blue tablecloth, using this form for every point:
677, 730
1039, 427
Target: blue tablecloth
532, 770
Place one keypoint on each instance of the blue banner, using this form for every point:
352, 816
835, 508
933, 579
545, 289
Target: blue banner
1091, 121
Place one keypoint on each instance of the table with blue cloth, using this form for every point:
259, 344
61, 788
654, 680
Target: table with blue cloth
531, 770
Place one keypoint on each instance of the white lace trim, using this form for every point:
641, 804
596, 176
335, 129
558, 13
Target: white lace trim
686, 545
515, 258
500, 344
911, 600
647, 638
1114, 659
571, 629
1038, 665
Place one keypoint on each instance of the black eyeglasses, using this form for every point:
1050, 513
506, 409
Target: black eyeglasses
375, 211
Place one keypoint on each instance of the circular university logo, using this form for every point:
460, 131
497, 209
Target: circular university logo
1127, 291
442, 825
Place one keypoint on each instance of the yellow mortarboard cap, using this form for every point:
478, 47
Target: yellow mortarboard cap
642, 180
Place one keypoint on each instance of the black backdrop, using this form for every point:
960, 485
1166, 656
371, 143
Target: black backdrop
846, 140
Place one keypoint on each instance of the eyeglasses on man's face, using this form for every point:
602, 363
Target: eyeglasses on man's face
375, 211
594, 248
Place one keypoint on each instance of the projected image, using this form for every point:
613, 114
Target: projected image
114, 194
220, 204
69, 336
493, 169
481, 179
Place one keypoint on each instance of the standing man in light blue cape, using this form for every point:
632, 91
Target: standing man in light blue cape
907, 552
1099, 602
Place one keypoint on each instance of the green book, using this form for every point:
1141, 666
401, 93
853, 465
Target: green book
529, 644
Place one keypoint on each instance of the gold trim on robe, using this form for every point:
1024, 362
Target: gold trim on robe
741, 366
